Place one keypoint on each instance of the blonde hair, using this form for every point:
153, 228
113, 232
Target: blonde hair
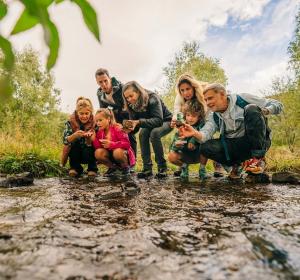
108, 114
198, 87
84, 103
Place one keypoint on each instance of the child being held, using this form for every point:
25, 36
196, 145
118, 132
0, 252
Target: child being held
187, 151
111, 143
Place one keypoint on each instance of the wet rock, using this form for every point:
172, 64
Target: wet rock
286, 177
263, 178
17, 180
112, 194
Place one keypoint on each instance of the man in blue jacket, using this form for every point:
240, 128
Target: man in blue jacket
243, 127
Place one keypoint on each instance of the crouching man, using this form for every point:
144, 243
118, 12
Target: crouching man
243, 127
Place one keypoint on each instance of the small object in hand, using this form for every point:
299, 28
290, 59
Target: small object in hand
179, 120
127, 124
180, 142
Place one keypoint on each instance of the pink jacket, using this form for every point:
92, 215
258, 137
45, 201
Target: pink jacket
119, 139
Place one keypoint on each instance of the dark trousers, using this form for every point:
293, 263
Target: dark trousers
154, 136
82, 154
254, 143
133, 143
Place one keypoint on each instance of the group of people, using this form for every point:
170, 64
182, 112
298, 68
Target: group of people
201, 111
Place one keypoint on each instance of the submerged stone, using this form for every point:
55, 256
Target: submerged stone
17, 180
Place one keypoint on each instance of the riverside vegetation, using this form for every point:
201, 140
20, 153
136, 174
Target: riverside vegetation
31, 123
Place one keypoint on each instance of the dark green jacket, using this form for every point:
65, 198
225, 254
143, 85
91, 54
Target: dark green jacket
189, 140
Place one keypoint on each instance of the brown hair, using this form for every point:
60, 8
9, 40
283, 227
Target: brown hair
108, 114
143, 99
192, 108
101, 71
198, 87
84, 103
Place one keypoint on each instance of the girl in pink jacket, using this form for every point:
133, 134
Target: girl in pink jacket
112, 144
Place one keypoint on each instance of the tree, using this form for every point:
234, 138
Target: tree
191, 60
294, 48
36, 12
33, 108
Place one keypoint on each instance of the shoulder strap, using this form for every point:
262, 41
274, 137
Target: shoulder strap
241, 102
216, 118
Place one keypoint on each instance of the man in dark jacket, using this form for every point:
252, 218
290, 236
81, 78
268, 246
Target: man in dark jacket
109, 94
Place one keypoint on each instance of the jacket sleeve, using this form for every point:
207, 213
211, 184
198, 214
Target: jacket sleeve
274, 106
122, 141
177, 106
155, 112
67, 132
209, 129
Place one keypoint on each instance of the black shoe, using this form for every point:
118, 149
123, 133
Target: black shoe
177, 173
110, 172
162, 173
145, 173
125, 171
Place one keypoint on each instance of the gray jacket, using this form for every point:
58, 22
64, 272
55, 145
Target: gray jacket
233, 117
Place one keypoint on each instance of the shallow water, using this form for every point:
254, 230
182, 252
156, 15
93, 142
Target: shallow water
103, 229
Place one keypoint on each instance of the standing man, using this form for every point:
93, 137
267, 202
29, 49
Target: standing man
109, 94
243, 127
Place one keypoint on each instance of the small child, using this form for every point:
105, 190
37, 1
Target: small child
112, 144
77, 139
187, 151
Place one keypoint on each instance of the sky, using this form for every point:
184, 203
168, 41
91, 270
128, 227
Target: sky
139, 38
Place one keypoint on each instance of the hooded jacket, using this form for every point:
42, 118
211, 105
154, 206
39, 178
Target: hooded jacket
232, 120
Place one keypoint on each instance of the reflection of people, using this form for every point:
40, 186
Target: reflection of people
77, 138
241, 121
112, 144
110, 95
184, 152
149, 114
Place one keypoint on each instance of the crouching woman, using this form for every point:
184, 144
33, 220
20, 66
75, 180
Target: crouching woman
77, 136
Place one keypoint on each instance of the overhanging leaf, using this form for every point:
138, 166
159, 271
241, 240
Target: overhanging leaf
3, 9
52, 39
25, 22
89, 17
6, 47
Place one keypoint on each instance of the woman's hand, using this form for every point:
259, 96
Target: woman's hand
78, 134
173, 123
105, 143
191, 146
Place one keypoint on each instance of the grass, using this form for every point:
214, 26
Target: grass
21, 154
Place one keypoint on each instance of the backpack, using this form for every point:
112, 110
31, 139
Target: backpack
242, 103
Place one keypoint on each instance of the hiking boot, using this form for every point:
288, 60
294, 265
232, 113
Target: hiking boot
218, 170
162, 173
92, 174
236, 172
184, 171
73, 173
145, 173
131, 169
177, 173
125, 171
255, 165
110, 172
202, 173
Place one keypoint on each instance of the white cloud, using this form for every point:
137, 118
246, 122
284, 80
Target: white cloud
140, 37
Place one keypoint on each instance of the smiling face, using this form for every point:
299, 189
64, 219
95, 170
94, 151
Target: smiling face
186, 91
84, 115
104, 82
131, 96
191, 119
216, 101
101, 121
